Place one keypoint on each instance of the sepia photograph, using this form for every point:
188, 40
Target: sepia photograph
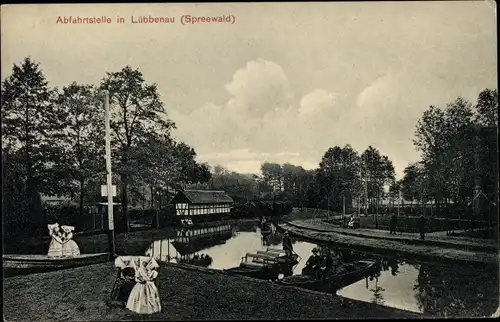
250, 161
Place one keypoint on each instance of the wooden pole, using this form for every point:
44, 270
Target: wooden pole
111, 231
399, 201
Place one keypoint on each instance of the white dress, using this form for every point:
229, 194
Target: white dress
144, 297
56, 244
69, 247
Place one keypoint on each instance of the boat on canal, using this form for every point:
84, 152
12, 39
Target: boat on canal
266, 264
346, 274
35, 262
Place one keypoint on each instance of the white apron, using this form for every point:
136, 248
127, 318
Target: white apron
144, 297
69, 247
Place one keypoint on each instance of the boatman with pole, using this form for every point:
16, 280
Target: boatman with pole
287, 244
111, 228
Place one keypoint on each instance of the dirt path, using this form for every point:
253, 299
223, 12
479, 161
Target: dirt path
431, 239
392, 247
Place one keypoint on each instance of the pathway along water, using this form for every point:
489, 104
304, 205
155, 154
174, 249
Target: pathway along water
447, 290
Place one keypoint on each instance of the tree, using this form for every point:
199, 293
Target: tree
487, 108
272, 174
412, 183
17, 207
394, 191
136, 109
190, 170
31, 125
83, 140
377, 172
446, 140
239, 186
339, 175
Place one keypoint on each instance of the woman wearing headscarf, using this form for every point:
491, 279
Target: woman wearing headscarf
56, 244
144, 298
69, 247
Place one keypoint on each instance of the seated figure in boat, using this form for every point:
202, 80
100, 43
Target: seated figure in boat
69, 246
313, 264
331, 260
56, 244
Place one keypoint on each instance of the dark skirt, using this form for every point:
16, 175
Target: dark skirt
124, 290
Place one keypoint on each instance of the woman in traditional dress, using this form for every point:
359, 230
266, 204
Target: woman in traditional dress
144, 298
56, 244
69, 247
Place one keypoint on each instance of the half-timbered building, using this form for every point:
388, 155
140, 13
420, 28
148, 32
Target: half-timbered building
202, 203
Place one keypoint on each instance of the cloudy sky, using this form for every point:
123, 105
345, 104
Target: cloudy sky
285, 81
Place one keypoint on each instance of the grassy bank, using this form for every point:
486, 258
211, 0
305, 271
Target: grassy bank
409, 223
80, 295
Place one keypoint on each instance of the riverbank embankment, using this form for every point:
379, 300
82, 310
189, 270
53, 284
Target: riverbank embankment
454, 249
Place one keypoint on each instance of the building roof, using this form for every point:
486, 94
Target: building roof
206, 196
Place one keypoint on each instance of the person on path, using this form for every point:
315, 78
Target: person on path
393, 224
448, 226
421, 226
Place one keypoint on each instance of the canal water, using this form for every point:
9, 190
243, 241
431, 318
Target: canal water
447, 290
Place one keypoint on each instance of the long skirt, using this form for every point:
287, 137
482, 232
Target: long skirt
144, 299
70, 249
55, 249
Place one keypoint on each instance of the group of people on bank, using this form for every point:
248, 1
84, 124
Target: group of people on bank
420, 225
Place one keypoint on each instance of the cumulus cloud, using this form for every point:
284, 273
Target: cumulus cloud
262, 119
259, 88
318, 101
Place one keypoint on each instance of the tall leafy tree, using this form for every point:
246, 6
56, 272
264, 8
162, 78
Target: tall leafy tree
433, 143
487, 108
273, 176
339, 175
377, 173
136, 109
83, 142
445, 138
31, 126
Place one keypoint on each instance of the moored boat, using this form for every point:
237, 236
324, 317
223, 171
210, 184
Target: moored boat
266, 264
346, 274
17, 262
259, 272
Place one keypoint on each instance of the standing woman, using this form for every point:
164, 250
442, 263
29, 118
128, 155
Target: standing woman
56, 244
144, 297
70, 248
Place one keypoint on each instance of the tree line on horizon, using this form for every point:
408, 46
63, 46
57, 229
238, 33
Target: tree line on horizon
53, 144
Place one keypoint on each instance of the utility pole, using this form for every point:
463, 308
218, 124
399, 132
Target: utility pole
343, 207
399, 201
111, 228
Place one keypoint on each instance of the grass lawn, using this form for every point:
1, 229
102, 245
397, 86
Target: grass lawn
80, 294
405, 223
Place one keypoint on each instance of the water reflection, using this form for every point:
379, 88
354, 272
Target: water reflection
457, 290
452, 290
